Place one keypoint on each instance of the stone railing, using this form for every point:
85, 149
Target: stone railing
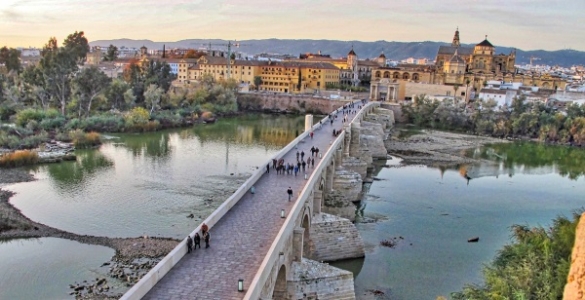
255, 289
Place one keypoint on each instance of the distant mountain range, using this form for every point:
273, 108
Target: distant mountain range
392, 50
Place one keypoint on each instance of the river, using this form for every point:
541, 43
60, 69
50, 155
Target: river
436, 210
133, 185
146, 184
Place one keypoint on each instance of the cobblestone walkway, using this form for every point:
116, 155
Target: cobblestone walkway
241, 239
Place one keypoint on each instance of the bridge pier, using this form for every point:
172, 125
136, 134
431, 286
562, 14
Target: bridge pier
298, 246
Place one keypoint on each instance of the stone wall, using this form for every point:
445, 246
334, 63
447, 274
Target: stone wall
334, 238
575, 288
396, 111
413, 89
312, 280
275, 102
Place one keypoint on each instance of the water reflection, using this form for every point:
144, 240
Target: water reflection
525, 158
155, 145
76, 174
266, 130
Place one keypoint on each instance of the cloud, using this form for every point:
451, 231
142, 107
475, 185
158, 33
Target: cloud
509, 22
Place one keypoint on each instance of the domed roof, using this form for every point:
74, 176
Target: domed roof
485, 43
382, 55
351, 52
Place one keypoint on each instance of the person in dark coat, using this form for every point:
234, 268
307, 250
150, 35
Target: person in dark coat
189, 244
289, 192
206, 238
196, 241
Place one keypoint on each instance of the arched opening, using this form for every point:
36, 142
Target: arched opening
415, 77
405, 76
378, 74
386, 74
396, 75
306, 245
546, 85
280, 285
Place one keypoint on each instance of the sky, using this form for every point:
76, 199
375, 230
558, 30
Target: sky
524, 24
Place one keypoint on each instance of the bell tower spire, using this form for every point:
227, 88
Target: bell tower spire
456, 42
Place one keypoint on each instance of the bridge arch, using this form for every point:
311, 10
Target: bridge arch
280, 285
306, 224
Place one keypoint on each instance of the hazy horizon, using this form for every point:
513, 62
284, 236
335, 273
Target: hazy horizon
523, 24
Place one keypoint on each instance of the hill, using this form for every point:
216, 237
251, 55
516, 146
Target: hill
392, 50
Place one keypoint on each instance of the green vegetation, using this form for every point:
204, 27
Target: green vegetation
521, 119
534, 266
60, 95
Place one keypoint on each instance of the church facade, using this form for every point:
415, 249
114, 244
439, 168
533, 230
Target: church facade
458, 66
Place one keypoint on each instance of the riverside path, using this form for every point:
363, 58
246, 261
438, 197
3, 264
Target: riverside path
242, 237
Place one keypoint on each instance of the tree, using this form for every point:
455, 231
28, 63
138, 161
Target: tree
58, 67
257, 82
152, 96
10, 58
192, 54
455, 89
111, 53
129, 98
89, 83
50, 46
77, 45
115, 94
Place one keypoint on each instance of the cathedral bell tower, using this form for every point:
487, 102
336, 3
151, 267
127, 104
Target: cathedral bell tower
455, 42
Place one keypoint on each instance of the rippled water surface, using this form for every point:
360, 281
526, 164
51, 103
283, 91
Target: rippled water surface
133, 185
44, 268
436, 210
147, 184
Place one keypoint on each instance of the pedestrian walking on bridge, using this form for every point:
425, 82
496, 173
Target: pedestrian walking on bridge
196, 241
289, 192
206, 238
189, 244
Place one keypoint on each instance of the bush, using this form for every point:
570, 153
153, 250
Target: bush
23, 117
8, 141
534, 266
103, 123
85, 140
32, 125
33, 141
6, 112
52, 123
18, 159
168, 119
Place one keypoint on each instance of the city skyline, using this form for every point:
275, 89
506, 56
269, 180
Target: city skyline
523, 24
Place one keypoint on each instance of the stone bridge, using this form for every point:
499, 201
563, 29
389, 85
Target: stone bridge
274, 248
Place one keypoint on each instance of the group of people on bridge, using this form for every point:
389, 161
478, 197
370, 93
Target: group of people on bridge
196, 240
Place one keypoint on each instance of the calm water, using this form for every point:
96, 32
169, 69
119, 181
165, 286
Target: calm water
44, 268
437, 210
146, 184
135, 184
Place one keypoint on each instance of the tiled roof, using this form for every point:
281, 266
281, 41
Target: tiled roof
299, 64
450, 50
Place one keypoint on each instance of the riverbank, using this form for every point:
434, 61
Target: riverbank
434, 148
133, 257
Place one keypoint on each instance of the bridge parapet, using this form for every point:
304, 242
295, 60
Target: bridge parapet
286, 246
298, 219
